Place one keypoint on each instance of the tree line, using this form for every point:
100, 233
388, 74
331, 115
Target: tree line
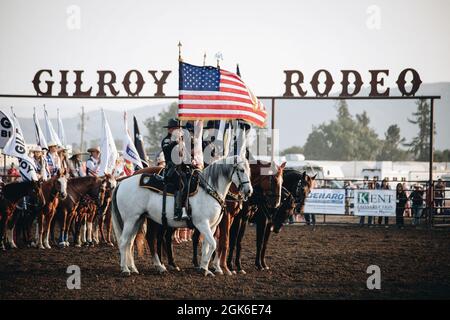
345, 138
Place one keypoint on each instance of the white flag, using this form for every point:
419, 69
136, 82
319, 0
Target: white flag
40, 138
61, 133
16, 147
109, 154
52, 136
198, 146
130, 152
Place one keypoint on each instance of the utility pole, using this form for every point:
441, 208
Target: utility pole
82, 130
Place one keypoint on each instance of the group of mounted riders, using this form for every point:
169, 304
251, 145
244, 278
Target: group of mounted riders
71, 191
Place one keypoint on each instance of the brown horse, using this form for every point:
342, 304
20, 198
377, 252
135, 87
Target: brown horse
53, 189
77, 190
296, 187
12, 194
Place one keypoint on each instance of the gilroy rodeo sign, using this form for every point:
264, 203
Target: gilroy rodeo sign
133, 83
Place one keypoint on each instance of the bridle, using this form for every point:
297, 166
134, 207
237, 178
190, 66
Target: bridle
241, 183
299, 190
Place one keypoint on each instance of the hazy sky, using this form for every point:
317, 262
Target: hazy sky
264, 37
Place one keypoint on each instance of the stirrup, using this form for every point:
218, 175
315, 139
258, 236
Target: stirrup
184, 215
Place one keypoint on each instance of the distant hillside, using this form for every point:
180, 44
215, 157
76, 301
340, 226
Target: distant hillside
294, 118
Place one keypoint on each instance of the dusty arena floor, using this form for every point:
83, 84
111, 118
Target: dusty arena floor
329, 262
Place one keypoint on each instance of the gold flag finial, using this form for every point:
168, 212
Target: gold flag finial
179, 51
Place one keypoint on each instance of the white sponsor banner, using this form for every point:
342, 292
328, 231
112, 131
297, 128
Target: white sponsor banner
375, 203
325, 201
5, 129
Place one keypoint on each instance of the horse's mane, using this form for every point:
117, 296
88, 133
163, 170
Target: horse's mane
78, 179
222, 167
11, 189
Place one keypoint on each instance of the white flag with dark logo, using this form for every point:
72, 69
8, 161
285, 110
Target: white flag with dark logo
130, 152
108, 150
16, 147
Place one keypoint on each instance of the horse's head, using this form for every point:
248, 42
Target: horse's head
286, 209
304, 186
269, 181
240, 176
107, 185
60, 184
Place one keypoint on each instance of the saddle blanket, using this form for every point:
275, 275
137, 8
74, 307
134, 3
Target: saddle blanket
155, 183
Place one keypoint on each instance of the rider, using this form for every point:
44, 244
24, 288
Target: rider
93, 163
76, 168
40, 163
173, 172
53, 160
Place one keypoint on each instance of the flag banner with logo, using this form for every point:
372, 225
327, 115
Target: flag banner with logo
16, 147
108, 154
6, 129
375, 203
215, 94
130, 153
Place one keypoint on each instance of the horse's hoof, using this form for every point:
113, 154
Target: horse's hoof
77, 245
206, 273
135, 271
234, 272
174, 268
228, 273
110, 244
161, 269
41, 247
267, 268
242, 271
218, 272
61, 244
126, 273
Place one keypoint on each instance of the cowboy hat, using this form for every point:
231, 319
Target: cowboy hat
93, 149
173, 123
35, 148
52, 144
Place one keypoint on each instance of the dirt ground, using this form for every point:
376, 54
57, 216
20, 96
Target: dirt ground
329, 262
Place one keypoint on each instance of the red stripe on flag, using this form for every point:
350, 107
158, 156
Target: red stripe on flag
193, 116
233, 83
208, 97
230, 90
220, 107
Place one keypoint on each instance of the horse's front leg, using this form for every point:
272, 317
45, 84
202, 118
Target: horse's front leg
264, 247
195, 241
233, 235
261, 225
10, 226
208, 246
240, 236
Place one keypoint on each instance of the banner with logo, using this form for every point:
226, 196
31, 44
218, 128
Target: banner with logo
16, 147
375, 203
5, 129
325, 201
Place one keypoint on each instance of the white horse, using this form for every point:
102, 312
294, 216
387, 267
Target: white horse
131, 204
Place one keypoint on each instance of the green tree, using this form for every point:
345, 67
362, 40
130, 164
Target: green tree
343, 139
155, 125
420, 145
390, 150
291, 150
442, 155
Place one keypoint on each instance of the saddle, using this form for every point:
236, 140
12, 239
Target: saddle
155, 183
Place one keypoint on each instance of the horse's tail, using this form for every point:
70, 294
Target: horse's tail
117, 221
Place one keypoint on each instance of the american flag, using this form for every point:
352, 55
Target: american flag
216, 94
